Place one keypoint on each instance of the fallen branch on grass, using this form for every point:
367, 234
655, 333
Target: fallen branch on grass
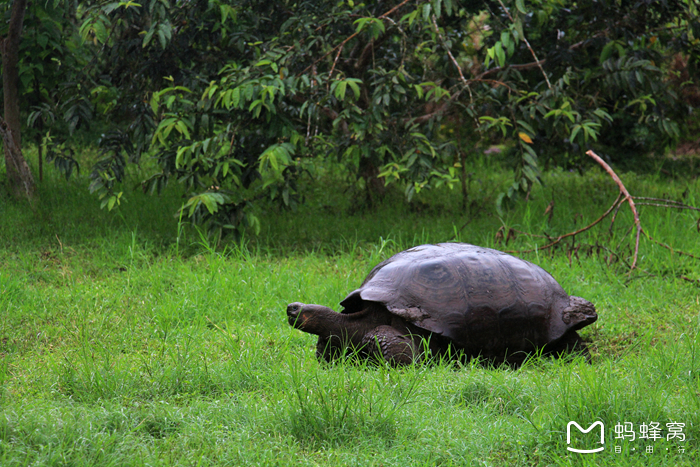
622, 196
668, 203
671, 249
570, 234
627, 198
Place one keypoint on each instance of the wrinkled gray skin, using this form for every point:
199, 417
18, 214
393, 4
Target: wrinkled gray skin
448, 299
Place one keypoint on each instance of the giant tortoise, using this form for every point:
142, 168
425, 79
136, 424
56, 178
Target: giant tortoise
450, 299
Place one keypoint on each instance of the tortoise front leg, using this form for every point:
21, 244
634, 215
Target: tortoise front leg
329, 348
386, 342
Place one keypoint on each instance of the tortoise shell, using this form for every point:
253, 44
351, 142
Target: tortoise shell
484, 301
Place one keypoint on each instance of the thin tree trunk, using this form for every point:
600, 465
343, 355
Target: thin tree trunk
374, 185
465, 187
19, 177
41, 158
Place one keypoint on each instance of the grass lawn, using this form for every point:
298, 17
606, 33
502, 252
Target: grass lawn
127, 341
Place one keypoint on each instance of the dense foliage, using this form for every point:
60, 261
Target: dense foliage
234, 99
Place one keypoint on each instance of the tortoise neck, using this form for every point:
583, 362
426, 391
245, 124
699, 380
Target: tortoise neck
351, 325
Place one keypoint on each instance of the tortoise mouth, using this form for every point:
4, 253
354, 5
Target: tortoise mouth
293, 312
293, 320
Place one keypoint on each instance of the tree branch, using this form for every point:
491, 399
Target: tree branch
627, 197
622, 197
353, 35
671, 249
571, 234
449, 52
527, 43
523, 66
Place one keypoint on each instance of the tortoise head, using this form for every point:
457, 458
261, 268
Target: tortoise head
314, 319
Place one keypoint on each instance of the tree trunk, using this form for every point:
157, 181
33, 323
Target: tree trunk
465, 180
374, 186
19, 177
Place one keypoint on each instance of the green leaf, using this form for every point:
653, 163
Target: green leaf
448, 7
285, 196
505, 38
378, 28
518, 29
499, 203
209, 92
603, 114
530, 174
437, 7
426, 12
212, 201
590, 129
182, 128
529, 159
162, 38
419, 90
409, 18
530, 150
360, 24
607, 51
340, 90
235, 97
253, 222
574, 132
149, 36
500, 55
519, 4
526, 126
179, 158
353, 83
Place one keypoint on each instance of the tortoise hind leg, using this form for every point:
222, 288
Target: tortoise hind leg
389, 344
570, 344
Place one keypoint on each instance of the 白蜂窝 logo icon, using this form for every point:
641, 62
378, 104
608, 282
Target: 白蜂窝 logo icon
580, 428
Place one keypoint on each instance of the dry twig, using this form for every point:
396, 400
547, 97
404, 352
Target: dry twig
667, 203
538, 62
570, 234
351, 36
622, 197
627, 197
449, 52
671, 249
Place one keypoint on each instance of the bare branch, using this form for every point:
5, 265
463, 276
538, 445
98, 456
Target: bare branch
571, 234
449, 52
671, 249
330, 75
674, 206
527, 43
622, 197
353, 35
523, 66
667, 203
627, 197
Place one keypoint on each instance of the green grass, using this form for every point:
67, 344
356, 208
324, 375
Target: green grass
116, 351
